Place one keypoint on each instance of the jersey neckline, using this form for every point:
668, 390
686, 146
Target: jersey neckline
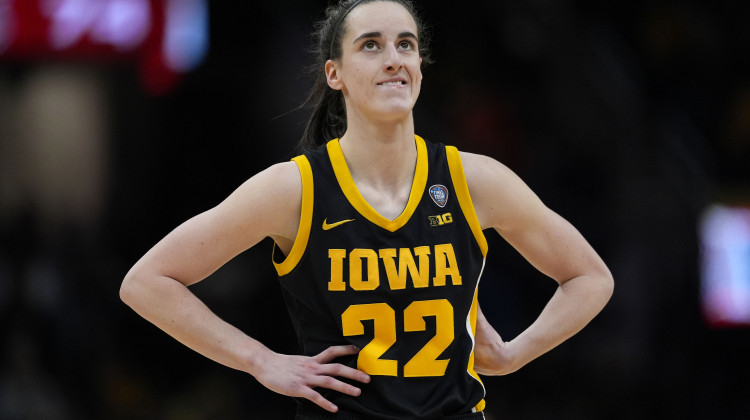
355, 198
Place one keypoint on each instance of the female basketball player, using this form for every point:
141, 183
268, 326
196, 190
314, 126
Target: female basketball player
379, 247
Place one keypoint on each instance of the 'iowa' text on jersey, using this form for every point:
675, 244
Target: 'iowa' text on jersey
414, 263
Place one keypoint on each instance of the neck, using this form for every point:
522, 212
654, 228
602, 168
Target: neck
383, 154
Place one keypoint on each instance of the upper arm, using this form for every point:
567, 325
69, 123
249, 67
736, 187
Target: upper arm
268, 204
505, 203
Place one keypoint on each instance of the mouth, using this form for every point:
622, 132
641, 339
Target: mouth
393, 83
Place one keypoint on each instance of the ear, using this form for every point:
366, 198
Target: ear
332, 75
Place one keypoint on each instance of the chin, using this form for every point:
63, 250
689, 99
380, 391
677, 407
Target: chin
396, 110
394, 116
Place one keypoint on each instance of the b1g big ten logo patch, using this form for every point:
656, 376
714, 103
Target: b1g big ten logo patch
440, 219
439, 195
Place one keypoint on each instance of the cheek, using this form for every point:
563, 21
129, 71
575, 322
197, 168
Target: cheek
418, 81
360, 84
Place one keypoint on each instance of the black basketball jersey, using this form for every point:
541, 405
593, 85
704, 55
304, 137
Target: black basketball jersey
404, 291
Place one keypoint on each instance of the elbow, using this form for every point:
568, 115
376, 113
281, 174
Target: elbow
597, 286
607, 286
126, 290
129, 289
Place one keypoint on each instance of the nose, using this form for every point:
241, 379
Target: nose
393, 60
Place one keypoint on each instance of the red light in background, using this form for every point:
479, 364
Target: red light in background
8, 25
121, 24
166, 38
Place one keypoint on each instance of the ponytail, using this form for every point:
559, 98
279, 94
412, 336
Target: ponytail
328, 118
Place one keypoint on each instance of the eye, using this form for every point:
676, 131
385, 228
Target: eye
370, 46
406, 45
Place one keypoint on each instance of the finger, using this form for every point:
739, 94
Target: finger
335, 385
337, 369
320, 401
335, 351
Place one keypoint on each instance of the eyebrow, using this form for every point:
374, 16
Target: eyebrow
380, 34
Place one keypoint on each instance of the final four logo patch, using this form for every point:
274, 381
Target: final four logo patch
439, 194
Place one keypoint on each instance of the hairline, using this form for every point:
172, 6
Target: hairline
343, 22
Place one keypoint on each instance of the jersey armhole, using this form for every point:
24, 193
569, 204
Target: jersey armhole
305, 221
464, 198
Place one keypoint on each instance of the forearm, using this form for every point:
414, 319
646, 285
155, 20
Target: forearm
169, 305
575, 303
173, 308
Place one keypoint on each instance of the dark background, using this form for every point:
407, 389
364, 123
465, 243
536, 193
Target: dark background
627, 118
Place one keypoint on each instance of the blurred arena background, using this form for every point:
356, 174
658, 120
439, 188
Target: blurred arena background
119, 119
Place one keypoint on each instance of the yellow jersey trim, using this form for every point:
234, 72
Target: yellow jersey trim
472, 326
480, 407
464, 198
346, 182
305, 219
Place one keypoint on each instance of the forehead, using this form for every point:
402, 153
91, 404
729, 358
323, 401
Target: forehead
379, 16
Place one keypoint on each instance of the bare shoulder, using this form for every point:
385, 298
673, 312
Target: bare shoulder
481, 168
501, 198
270, 201
276, 180
265, 205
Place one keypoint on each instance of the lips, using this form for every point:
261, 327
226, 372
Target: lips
393, 82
